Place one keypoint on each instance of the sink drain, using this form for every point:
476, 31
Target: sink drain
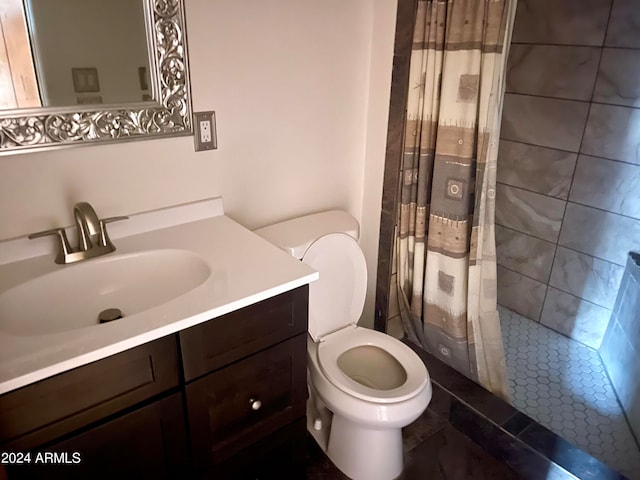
109, 315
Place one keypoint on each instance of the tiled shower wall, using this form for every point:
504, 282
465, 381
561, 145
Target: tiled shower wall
568, 195
620, 349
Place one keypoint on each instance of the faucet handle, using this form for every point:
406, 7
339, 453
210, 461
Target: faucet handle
63, 243
105, 240
44, 233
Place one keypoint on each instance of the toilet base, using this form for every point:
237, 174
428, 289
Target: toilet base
364, 453
318, 420
360, 452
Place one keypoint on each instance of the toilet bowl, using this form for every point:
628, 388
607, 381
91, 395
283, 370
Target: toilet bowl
364, 386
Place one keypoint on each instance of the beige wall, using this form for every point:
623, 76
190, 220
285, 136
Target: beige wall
301, 92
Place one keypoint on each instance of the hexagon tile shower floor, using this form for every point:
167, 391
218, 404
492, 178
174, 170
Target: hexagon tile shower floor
563, 385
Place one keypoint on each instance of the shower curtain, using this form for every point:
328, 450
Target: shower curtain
446, 238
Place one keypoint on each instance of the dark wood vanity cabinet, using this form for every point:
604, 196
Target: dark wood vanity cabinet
234, 407
245, 376
223, 399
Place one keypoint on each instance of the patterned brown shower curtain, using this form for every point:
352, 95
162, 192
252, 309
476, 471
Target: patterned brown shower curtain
446, 237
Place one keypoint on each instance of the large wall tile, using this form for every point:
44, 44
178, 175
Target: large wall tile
394, 307
575, 318
620, 348
542, 121
519, 293
613, 132
524, 254
602, 234
628, 302
394, 260
528, 212
552, 70
543, 170
551, 152
395, 328
571, 22
586, 277
623, 366
624, 25
618, 77
606, 184
633, 411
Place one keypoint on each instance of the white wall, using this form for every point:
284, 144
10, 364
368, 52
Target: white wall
289, 82
301, 125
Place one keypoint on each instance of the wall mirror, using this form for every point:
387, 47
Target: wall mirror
91, 71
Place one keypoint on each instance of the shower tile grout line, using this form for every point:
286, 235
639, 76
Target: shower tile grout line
567, 200
559, 245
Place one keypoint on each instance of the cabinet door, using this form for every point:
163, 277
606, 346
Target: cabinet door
279, 456
47, 410
224, 415
223, 340
148, 443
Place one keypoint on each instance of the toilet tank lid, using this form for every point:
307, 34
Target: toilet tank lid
295, 236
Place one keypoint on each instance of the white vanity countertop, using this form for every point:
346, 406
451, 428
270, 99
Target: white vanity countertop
245, 269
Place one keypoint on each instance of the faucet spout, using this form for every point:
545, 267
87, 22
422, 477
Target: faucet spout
89, 231
93, 239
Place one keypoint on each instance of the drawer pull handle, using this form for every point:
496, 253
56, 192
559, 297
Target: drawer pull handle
255, 404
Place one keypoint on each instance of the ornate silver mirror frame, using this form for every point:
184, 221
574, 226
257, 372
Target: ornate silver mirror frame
26, 130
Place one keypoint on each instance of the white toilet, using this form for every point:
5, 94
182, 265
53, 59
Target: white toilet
364, 386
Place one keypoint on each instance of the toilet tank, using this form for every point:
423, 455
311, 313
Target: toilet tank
295, 236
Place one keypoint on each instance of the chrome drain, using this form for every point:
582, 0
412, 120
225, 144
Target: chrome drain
109, 315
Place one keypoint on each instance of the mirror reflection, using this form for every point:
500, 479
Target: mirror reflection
73, 52
101, 85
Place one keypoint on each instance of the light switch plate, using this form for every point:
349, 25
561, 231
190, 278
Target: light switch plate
205, 131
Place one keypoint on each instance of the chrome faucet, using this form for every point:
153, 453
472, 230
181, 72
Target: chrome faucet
93, 239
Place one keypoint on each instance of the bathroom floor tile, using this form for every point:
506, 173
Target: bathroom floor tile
449, 455
424, 427
487, 404
510, 450
561, 452
562, 384
319, 467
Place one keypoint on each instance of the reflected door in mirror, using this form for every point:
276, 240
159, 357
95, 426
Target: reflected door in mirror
18, 84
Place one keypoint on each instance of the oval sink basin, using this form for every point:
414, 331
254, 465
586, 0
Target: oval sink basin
73, 296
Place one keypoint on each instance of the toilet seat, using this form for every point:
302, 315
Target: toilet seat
336, 299
350, 337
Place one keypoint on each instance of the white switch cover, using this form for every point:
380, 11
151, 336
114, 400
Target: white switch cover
205, 131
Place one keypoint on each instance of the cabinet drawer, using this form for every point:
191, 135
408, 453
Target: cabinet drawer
43, 411
221, 341
221, 417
